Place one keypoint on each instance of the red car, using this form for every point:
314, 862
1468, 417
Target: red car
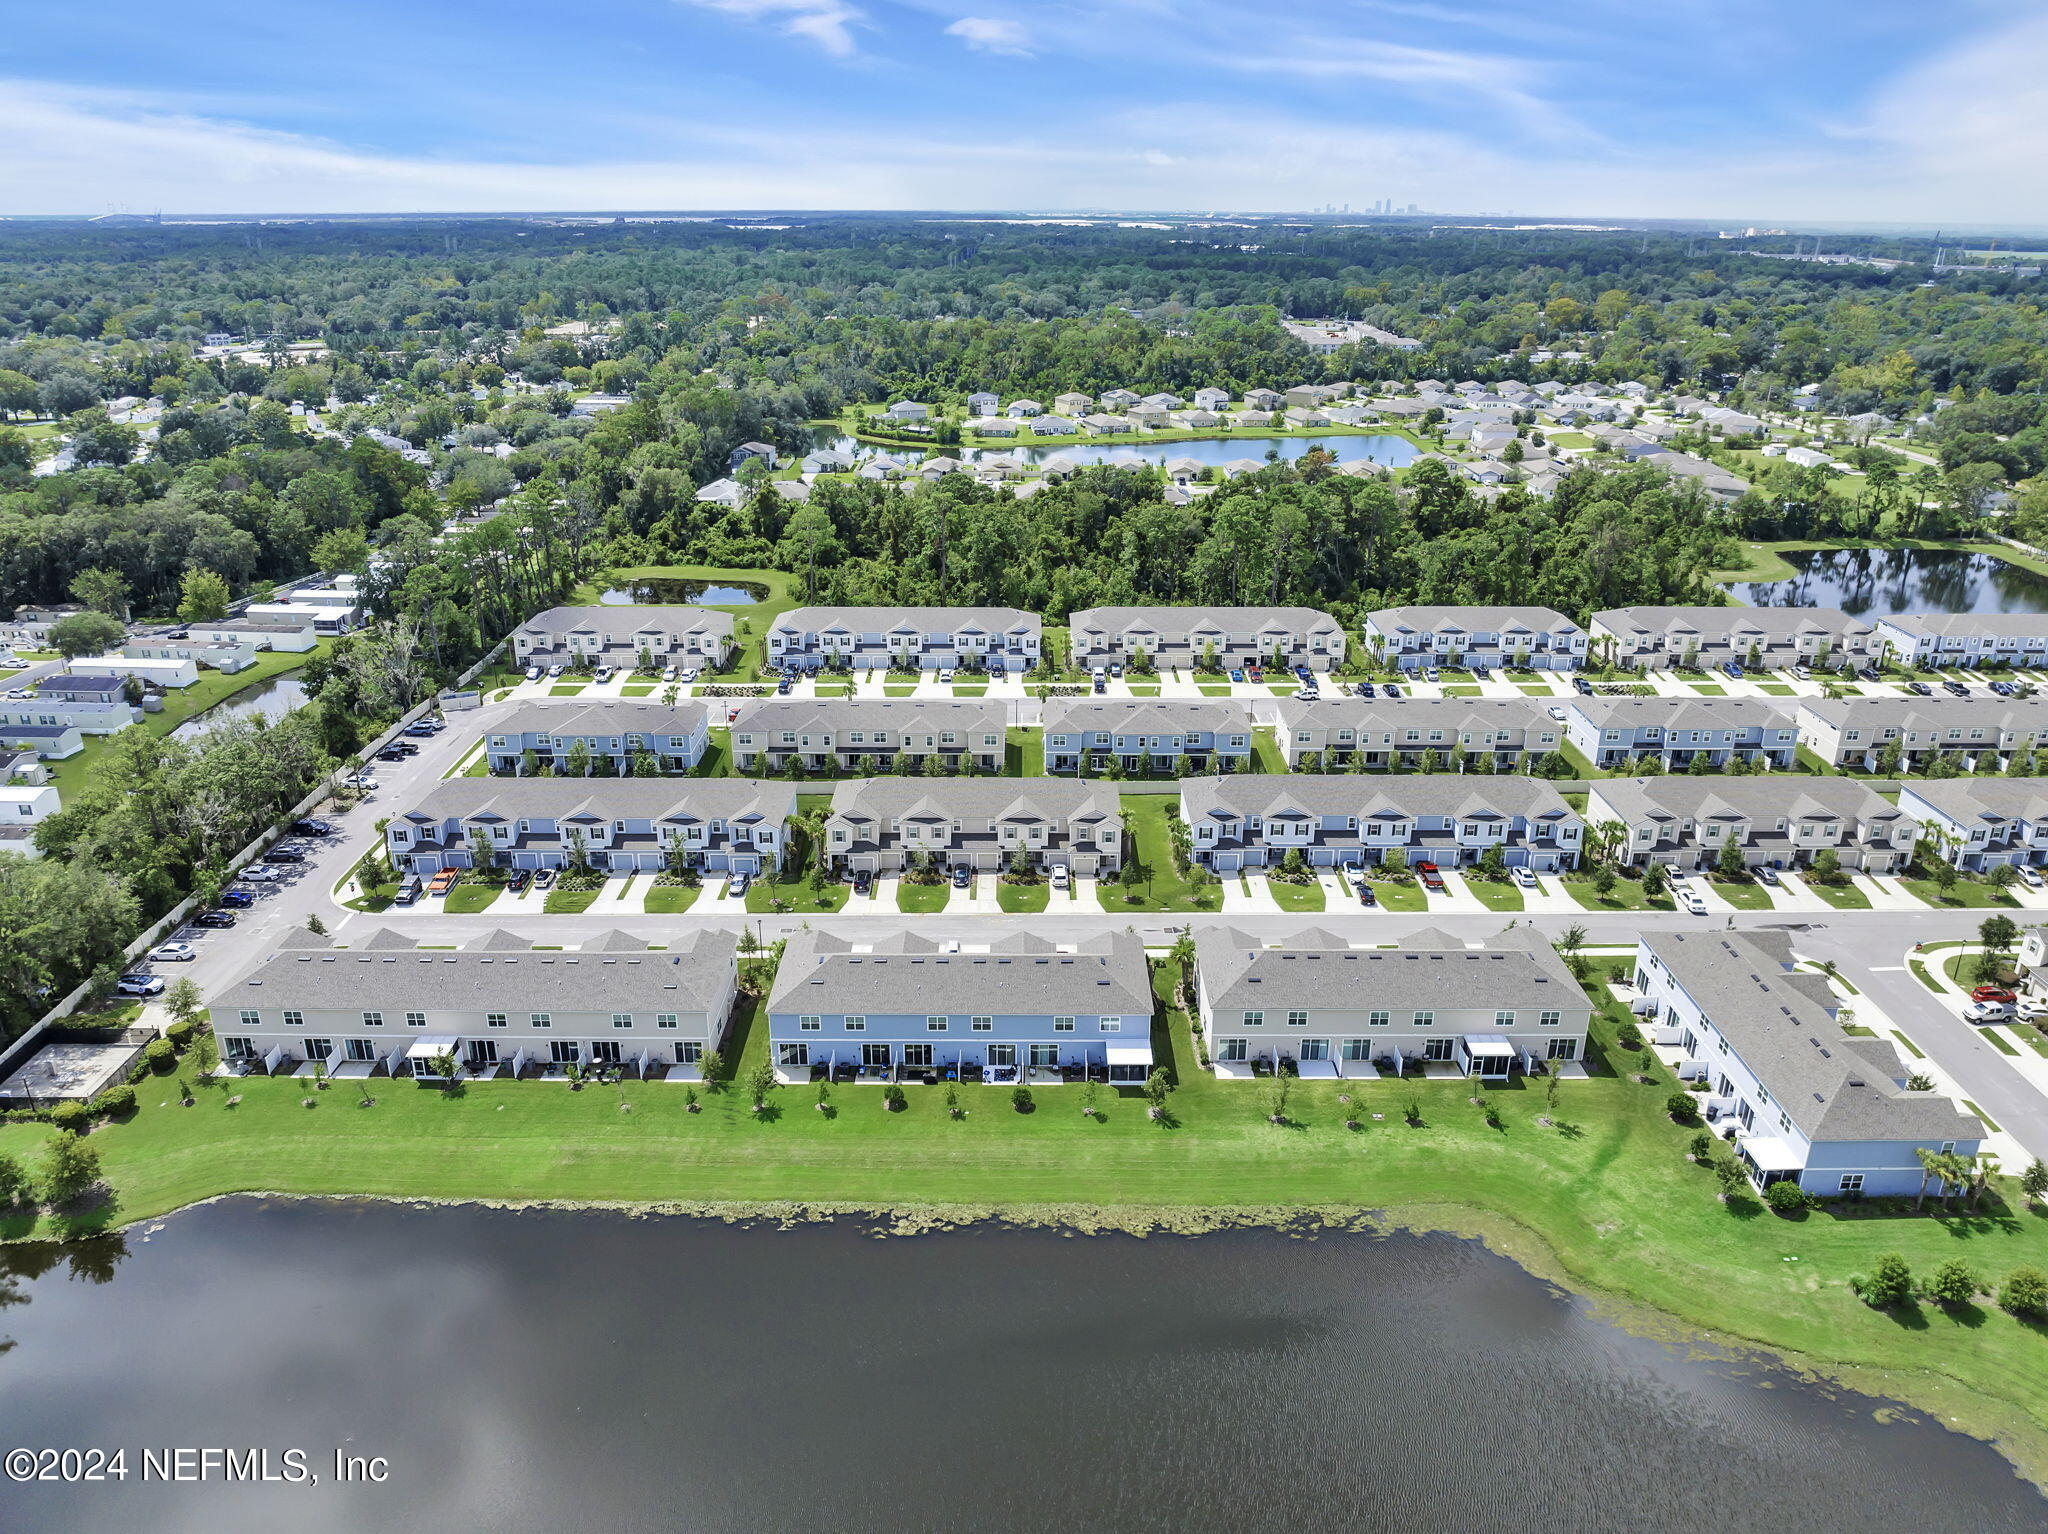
1427, 872
1992, 993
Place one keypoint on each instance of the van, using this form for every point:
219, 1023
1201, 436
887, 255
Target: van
408, 890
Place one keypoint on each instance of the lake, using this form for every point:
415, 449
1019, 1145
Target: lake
272, 700
684, 593
1393, 452
1881, 581
555, 1371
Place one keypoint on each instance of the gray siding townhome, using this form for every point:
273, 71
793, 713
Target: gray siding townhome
1980, 823
998, 639
1611, 731
613, 735
1184, 637
621, 636
726, 825
1857, 732
1800, 1099
1778, 822
836, 733
1397, 732
1965, 639
1250, 820
879, 824
1146, 734
384, 1006
1656, 637
1431, 1003
1006, 1005
1541, 638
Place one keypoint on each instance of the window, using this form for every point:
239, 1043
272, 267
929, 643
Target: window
856, 1024
793, 1054
983, 1025
1297, 1019
935, 1025
917, 1054
373, 1019
1357, 1049
622, 1019
494, 1019
1564, 1049
255, 1019
1425, 1019
690, 1051
1255, 1020
1112, 1025
1063, 1025
874, 1054
1504, 1018
1852, 1182
1549, 1019
415, 1019
1045, 1056
319, 1049
1315, 1049
1233, 1049
541, 1020
1002, 1054
664, 1019
564, 1051
239, 1049
605, 1052
810, 1024
1376, 1019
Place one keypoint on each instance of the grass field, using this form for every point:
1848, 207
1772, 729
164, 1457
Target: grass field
922, 898
1162, 889
1496, 897
1601, 1199
1023, 899
671, 899
1296, 897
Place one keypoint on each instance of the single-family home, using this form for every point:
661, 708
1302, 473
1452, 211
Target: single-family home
292, 636
82, 687
50, 742
1072, 404
739, 457
1023, 409
904, 410
28, 804
880, 824
983, 403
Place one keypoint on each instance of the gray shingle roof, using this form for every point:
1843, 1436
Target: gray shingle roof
1012, 970
1967, 799
605, 717
1058, 800
1486, 716
1683, 713
1456, 794
1767, 623
922, 620
1775, 1019
1183, 620
1705, 798
1428, 620
819, 714
1317, 968
621, 625
1144, 716
2028, 715
727, 799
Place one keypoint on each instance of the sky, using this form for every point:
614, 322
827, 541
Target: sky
1816, 111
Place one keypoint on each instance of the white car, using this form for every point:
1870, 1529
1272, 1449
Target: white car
260, 873
534, 673
602, 674
2031, 878
360, 781
1694, 905
1987, 1012
668, 673
173, 953
1802, 674
1059, 876
1524, 877
946, 674
1555, 711
690, 673
555, 670
737, 885
2033, 1008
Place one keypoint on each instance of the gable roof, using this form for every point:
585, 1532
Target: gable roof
1001, 971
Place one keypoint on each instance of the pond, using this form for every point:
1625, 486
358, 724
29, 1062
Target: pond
667, 592
553, 1371
1393, 452
1863, 582
270, 700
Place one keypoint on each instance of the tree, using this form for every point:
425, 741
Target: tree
103, 591
760, 1081
1654, 879
1827, 866
2034, 1180
14, 1182
1954, 1283
203, 597
1603, 880
1729, 862
184, 1000
1493, 862
1998, 933
71, 1167
1890, 1281
86, 633
713, 1068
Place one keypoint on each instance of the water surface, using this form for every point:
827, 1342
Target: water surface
666, 592
1865, 582
561, 1371
270, 701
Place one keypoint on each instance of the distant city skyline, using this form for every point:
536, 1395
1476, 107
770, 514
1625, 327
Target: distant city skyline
1742, 112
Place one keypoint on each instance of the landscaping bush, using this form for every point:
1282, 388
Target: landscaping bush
71, 1115
1890, 1282
1785, 1197
180, 1034
1683, 1107
1954, 1283
1702, 1146
116, 1101
1020, 1099
2025, 1292
892, 1098
160, 1054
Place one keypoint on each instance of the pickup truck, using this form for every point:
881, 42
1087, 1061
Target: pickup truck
444, 881
1430, 875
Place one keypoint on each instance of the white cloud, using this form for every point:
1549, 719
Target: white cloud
828, 23
990, 34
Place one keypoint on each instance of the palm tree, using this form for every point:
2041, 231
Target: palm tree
1984, 1167
1929, 1165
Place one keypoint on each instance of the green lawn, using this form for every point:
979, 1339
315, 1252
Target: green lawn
1496, 897
1603, 1200
1461, 692
1024, 754
1627, 895
1161, 888
793, 892
1843, 897
1743, 894
467, 899
1966, 894
1023, 899
564, 691
922, 898
1776, 689
1266, 753
1297, 897
1405, 896
1708, 689
562, 902
672, 899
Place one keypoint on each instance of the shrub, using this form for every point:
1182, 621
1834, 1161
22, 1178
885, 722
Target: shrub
161, 1054
2025, 1292
892, 1097
1954, 1283
1785, 1197
180, 1034
71, 1115
1020, 1099
116, 1101
1629, 1036
14, 1182
1890, 1282
1702, 1146
1683, 1107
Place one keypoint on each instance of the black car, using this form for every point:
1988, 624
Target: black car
1580, 684
1366, 896
518, 879
392, 754
213, 919
312, 828
284, 855
960, 877
862, 881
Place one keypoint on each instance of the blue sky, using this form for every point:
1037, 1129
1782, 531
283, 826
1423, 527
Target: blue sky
1817, 110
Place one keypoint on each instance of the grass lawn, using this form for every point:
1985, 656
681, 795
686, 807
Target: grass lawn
1161, 888
1406, 896
1266, 755
636, 690
924, 898
1023, 899
898, 689
1496, 897
1775, 689
1297, 897
1627, 895
562, 902
1743, 894
1708, 689
467, 899
792, 892
563, 692
1966, 894
1213, 689
1024, 753
672, 899
1461, 692
1843, 897
1603, 1200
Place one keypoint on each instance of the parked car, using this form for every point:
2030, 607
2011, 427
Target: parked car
1555, 712
517, 880
1390, 690
1581, 685
1431, 876
1365, 894
1237, 673
543, 877
555, 670
237, 900
138, 985
361, 782
257, 873
1060, 877
668, 673
311, 827
391, 754
1767, 874
1730, 668
2003, 689
1524, 876
1802, 673
1102, 684
1693, 903
1955, 689
1303, 674
689, 674
173, 953
945, 673
2030, 877
1306, 695
213, 919
1992, 993
409, 890
534, 673
603, 674
1116, 668
737, 885
1987, 1011
284, 855
863, 881
2033, 1008
443, 881
785, 685
1431, 674
21, 692
1364, 689
961, 877
1254, 674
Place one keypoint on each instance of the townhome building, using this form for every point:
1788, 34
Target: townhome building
1008, 1005
721, 825
880, 824
1982, 823
1188, 638
997, 639
1146, 733
1654, 638
1861, 732
613, 736
1332, 1009
1801, 1100
1253, 820
625, 637
1494, 733
1609, 731
943, 735
289, 635
496, 1005
101, 716
1778, 822
1964, 639
1541, 638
